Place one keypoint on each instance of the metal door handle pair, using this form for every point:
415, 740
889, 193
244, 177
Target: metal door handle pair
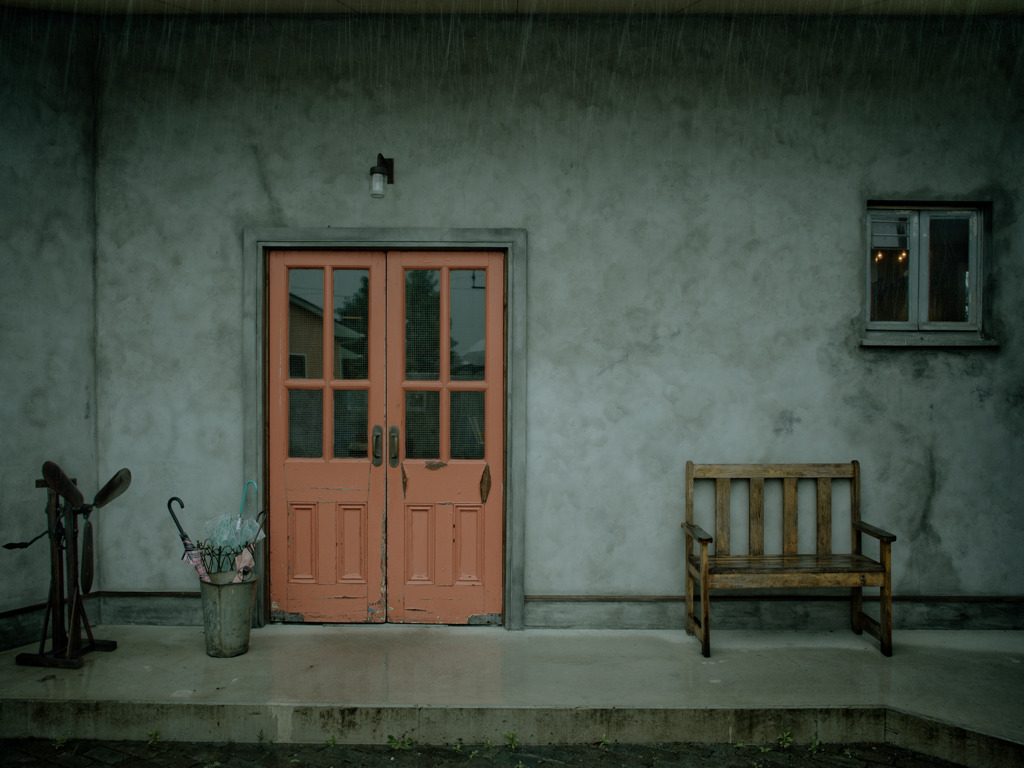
378, 440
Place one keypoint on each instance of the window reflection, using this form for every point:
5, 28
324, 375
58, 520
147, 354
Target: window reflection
305, 323
948, 275
422, 425
350, 423
467, 425
351, 323
422, 325
468, 324
305, 423
890, 269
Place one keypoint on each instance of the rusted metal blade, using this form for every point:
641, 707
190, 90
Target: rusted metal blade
61, 484
115, 486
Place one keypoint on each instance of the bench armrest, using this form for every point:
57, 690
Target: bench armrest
871, 530
697, 532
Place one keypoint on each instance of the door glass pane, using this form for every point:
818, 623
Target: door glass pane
305, 423
890, 268
422, 325
468, 324
350, 423
422, 425
306, 323
351, 322
948, 270
467, 425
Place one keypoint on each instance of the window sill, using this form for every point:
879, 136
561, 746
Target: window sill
927, 339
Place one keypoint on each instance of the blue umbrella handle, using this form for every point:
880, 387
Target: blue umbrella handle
245, 491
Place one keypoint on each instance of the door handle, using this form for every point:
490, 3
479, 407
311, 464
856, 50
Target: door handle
393, 446
378, 445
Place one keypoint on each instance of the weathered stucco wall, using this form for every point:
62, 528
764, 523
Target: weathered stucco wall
47, 398
694, 192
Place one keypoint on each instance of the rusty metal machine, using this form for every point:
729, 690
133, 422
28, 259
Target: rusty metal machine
71, 570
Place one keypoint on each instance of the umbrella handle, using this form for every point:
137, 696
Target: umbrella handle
245, 492
181, 504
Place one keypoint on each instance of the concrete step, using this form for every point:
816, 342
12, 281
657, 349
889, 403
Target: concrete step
955, 695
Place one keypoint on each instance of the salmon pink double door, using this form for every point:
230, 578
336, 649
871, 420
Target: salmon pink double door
386, 435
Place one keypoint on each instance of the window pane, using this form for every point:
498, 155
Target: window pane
306, 323
948, 270
422, 425
468, 324
890, 268
351, 322
305, 423
422, 325
350, 424
467, 423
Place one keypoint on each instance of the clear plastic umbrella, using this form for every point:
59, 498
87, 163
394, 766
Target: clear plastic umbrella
234, 531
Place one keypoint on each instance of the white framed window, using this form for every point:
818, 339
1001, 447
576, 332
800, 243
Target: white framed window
924, 275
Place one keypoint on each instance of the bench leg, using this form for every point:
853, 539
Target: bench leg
705, 620
689, 600
885, 601
857, 609
705, 605
694, 625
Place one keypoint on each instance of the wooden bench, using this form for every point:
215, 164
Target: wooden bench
724, 570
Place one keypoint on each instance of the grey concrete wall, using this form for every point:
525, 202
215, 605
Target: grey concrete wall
47, 239
693, 190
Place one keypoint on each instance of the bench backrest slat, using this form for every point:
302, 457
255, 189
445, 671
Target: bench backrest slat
790, 475
756, 521
824, 516
790, 544
722, 488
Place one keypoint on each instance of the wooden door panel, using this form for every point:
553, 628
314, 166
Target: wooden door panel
352, 543
419, 543
403, 343
446, 500
470, 554
302, 538
326, 368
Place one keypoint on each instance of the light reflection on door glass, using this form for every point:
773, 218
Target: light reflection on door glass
467, 425
350, 423
351, 323
422, 325
305, 323
422, 425
305, 423
468, 324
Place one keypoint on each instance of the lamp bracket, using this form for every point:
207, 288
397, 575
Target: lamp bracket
385, 166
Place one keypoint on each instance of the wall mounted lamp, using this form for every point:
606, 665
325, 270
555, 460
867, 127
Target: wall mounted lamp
383, 172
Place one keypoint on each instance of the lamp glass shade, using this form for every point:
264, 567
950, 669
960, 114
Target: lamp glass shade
377, 184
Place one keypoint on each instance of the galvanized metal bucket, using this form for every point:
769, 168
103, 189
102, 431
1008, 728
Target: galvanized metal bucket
227, 614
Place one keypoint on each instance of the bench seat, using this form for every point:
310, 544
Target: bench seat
781, 571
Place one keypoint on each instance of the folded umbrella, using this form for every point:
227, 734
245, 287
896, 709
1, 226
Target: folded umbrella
191, 555
244, 562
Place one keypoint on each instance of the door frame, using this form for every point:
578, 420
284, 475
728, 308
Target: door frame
258, 242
